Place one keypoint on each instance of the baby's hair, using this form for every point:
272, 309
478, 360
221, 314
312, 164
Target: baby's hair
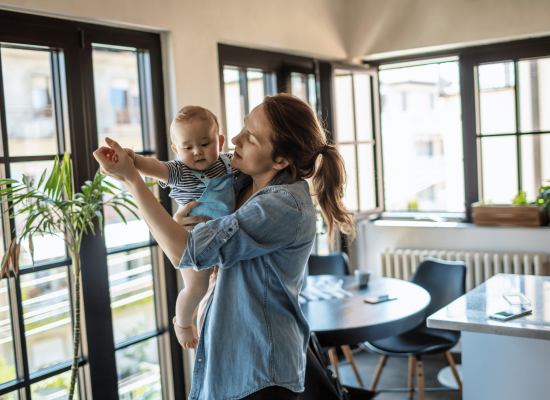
193, 113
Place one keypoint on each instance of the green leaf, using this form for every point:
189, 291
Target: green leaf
149, 184
42, 178
100, 218
119, 213
129, 209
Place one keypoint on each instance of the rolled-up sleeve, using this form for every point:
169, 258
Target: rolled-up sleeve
267, 223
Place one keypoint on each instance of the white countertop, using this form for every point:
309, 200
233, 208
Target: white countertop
470, 312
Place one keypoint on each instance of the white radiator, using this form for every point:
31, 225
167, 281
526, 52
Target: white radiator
480, 265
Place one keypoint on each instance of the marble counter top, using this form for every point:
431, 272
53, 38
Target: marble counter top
470, 312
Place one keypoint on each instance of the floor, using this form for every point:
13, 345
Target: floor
394, 375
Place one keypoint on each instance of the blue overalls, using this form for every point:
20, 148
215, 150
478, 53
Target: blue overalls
218, 199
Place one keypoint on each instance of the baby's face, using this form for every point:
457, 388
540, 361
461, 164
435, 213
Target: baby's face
197, 143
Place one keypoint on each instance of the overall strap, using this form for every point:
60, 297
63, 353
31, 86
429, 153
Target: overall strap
227, 162
201, 176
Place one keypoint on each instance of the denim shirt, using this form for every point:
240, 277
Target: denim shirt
254, 334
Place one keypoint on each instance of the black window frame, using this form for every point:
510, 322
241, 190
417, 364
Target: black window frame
469, 58
74, 40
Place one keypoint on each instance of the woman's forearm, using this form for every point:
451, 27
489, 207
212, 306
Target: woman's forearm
171, 237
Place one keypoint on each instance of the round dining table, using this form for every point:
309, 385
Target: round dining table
349, 320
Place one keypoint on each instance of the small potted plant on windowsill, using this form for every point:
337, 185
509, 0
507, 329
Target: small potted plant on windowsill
53, 208
520, 213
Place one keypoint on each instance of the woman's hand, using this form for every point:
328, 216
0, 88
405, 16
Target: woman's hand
189, 222
115, 162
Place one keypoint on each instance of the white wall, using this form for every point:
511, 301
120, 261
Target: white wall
308, 27
385, 26
375, 237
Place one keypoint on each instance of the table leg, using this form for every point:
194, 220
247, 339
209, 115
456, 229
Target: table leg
349, 356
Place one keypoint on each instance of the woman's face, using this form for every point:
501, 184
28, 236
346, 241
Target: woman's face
253, 149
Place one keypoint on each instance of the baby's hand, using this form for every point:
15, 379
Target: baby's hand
131, 153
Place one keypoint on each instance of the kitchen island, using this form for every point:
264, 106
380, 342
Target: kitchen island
502, 360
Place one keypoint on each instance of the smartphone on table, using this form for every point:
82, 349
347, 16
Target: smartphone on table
510, 314
379, 299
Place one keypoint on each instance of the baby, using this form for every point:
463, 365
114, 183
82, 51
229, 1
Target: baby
201, 168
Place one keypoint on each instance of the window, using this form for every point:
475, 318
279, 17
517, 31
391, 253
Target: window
66, 89
422, 138
356, 138
512, 128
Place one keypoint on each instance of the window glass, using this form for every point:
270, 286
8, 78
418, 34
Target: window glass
119, 233
132, 294
535, 164
29, 102
422, 138
348, 154
312, 92
256, 93
117, 96
298, 86
497, 102
367, 193
10, 396
345, 126
499, 169
139, 371
54, 388
7, 361
47, 317
363, 106
47, 247
534, 94
234, 104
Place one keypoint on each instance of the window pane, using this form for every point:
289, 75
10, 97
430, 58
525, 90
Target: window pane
344, 109
46, 247
422, 138
117, 97
131, 287
497, 103
363, 107
534, 94
255, 88
139, 371
350, 198
312, 89
7, 361
367, 195
47, 317
499, 169
29, 102
298, 86
234, 104
535, 164
54, 388
10, 396
117, 232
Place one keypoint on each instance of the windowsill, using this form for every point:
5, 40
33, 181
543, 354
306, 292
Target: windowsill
434, 224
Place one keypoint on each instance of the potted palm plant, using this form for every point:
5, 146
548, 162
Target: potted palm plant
51, 207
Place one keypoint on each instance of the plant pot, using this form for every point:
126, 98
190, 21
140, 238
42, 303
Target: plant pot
508, 215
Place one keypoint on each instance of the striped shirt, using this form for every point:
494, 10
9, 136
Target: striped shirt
184, 185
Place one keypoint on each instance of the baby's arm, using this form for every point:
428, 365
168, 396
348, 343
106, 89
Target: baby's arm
150, 167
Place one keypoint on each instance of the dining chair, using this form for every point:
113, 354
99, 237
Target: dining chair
445, 281
336, 263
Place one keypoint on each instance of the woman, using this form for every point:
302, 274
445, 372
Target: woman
254, 336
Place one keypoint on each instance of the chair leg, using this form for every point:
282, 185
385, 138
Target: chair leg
378, 372
351, 360
411, 376
420, 378
453, 368
334, 361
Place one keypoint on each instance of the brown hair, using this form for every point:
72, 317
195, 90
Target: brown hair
193, 113
298, 138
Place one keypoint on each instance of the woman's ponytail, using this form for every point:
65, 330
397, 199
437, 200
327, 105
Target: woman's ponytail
298, 138
329, 182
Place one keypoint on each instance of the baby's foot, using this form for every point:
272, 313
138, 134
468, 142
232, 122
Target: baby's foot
187, 336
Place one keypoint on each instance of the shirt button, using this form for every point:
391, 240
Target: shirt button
230, 229
199, 360
202, 176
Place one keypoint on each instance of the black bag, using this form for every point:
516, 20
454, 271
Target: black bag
322, 384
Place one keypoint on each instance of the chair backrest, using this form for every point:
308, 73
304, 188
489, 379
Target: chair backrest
445, 281
336, 263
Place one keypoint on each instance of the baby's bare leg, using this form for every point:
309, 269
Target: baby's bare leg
196, 285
